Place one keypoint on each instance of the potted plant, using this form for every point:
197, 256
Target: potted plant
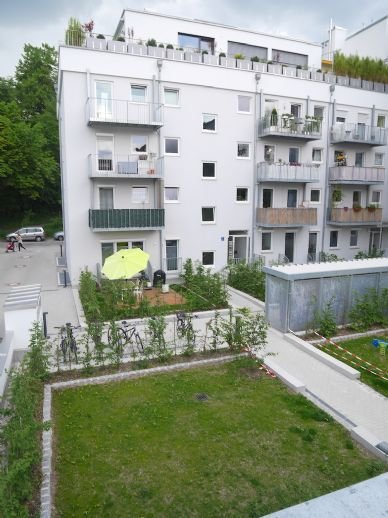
151, 42
336, 196
274, 117
356, 207
161, 45
372, 207
120, 38
169, 46
100, 36
255, 59
222, 58
239, 56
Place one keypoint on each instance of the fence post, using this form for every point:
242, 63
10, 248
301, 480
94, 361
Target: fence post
45, 313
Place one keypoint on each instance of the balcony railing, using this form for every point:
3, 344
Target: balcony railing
296, 128
358, 216
290, 217
358, 133
126, 219
353, 174
302, 173
128, 113
126, 166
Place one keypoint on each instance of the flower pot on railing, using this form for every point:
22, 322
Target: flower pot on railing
356, 208
151, 171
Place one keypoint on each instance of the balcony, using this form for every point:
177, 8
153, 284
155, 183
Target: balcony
126, 219
303, 129
126, 166
348, 216
278, 172
358, 134
356, 175
289, 217
124, 113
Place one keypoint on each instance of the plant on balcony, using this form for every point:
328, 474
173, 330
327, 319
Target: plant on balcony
340, 159
161, 45
100, 36
239, 56
75, 34
336, 197
255, 59
120, 38
151, 42
169, 46
205, 52
274, 117
364, 68
356, 207
222, 55
372, 207
88, 27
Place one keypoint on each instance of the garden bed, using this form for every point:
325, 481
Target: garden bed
202, 442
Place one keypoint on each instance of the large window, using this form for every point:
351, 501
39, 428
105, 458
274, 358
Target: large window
359, 160
353, 237
171, 194
243, 150
296, 110
172, 254
208, 214
138, 93
318, 112
194, 42
171, 97
376, 196
208, 169
107, 249
139, 194
266, 241
292, 197
106, 198
171, 146
104, 153
209, 122
267, 198
293, 155
244, 104
334, 239
103, 100
269, 154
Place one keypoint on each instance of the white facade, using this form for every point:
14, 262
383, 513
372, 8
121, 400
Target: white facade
150, 145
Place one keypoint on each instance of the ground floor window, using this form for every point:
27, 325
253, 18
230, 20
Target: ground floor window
172, 254
110, 248
334, 239
208, 258
266, 238
353, 237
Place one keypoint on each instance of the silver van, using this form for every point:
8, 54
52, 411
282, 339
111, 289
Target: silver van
28, 234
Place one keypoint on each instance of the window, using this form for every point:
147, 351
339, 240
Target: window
315, 195
138, 93
339, 157
208, 258
139, 194
171, 97
266, 241
208, 214
381, 121
340, 120
293, 155
269, 154
104, 153
356, 198
106, 198
103, 100
196, 42
209, 122
172, 254
242, 194
292, 197
379, 158
244, 104
171, 146
137, 244
107, 249
122, 245
296, 110
334, 239
317, 155
138, 144
208, 169
353, 237
359, 160
243, 150
267, 198
318, 112
376, 196
171, 194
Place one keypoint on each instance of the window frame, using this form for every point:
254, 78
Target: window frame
265, 250
215, 170
171, 201
247, 191
167, 88
178, 143
249, 151
210, 222
274, 153
379, 197
147, 191
208, 252
204, 130
332, 233
133, 151
244, 112
316, 202
350, 238
382, 155
312, 155
144, 87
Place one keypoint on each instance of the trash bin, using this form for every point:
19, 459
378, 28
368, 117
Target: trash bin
159, 278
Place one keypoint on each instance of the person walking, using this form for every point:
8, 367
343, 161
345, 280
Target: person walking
20, 242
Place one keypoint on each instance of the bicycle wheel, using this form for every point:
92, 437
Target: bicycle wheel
63, 346
180, 328
121, 337
139, 343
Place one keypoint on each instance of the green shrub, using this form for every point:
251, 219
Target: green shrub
370, 309
151, 42
325, 320
248, 278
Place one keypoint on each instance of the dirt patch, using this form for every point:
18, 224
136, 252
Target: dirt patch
251, 372
157, 298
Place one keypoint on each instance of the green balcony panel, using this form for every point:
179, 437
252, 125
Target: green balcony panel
123, 219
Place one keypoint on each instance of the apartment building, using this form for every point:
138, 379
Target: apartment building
184, 150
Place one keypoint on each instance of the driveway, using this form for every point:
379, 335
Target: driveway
37, 265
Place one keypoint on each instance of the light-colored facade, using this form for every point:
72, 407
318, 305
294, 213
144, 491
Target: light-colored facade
215, 158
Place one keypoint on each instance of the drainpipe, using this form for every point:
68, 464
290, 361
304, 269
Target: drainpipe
256, 118
308, 105
330, 121
158, 99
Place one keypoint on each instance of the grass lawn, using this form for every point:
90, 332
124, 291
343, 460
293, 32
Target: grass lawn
363, 347
148, 447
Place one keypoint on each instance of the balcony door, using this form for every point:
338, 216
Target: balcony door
312, 247
104, 103
106, 198
374, 241
104, 153
172, 254
292, 198
289, 246
267, 198
356, 199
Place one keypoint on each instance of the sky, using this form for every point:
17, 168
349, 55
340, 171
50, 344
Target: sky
45, 21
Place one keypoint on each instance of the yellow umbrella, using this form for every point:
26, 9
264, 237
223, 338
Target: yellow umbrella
124, 264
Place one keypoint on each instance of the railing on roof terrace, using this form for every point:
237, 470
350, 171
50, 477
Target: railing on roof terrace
359, 133
138, 47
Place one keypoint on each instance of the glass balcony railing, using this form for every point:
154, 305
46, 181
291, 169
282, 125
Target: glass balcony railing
122, 112
280, 172
353, 174
358, 133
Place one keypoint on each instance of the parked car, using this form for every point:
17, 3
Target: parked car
59, 236
28, 234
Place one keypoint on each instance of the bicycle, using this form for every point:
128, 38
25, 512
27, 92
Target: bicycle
126, 335
68, 343
184, 326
